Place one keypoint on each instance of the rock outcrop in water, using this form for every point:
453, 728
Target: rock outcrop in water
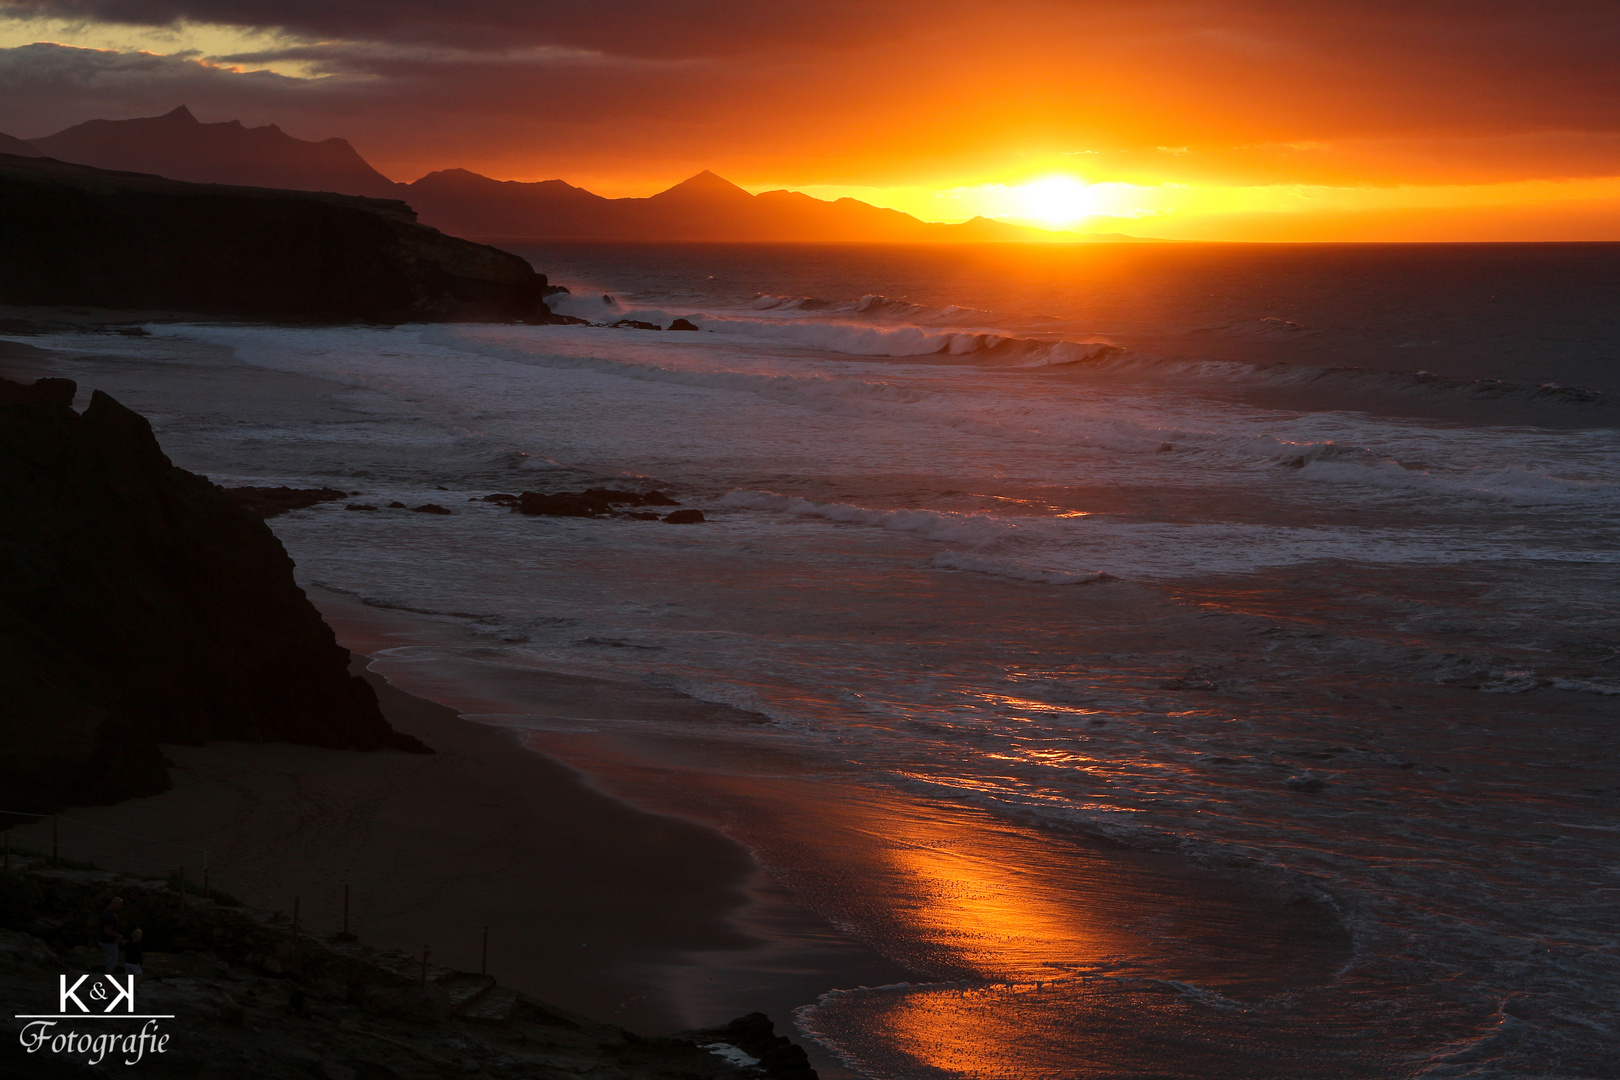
75, 236
140, 604
594, 503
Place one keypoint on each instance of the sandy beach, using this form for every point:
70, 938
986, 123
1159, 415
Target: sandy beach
614, 891
580, 892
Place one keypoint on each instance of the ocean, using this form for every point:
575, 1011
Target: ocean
1217, 646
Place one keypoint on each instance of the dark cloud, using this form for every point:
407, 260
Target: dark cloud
628, 27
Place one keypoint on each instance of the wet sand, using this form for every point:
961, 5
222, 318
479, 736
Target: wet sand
1046, 933
635, 862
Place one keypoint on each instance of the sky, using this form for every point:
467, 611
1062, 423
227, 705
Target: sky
1184, 119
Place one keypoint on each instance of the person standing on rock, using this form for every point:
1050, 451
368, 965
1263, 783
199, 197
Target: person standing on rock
109, 937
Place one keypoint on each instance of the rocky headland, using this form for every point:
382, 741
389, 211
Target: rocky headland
140, 604
76, 236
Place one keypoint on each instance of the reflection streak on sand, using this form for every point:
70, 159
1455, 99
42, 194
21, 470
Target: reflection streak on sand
988, 905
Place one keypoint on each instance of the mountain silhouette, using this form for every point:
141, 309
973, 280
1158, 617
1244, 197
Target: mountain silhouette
11, 145
177, 146
464, 203
703, 207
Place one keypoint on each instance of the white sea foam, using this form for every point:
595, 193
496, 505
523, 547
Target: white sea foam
957, 560
945, 527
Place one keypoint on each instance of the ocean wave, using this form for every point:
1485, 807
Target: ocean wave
959, 332
939, 525
1512, 486
958, 560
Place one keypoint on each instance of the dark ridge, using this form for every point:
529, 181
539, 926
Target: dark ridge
180, 147
140, 604
74, 236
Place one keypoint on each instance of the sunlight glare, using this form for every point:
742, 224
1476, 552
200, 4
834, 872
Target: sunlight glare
1056, 200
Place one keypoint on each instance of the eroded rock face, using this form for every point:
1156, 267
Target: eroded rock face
71, 235
140, 604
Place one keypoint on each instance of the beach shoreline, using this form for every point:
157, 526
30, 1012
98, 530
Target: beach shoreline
581, 894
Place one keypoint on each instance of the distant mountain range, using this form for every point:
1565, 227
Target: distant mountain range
706, 207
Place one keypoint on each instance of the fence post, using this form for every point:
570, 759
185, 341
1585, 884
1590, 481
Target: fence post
483, 963
55, 850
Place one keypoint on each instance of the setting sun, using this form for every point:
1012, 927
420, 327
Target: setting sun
1055, 200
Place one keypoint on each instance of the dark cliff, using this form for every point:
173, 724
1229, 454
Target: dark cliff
72, 235
139, 604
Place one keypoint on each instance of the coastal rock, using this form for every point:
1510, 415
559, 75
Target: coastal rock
140, 604
686, 517
778, 1056
683, 324
592, 502
75, 236
268, 502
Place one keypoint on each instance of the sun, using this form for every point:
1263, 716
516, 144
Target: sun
1056, 200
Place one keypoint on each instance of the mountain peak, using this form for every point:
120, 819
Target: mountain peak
180, 115
706, 184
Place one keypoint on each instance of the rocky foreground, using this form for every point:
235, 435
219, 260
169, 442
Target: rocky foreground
250, 996
140, 604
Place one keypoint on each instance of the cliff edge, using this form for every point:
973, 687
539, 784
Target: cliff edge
72, 235
140, 604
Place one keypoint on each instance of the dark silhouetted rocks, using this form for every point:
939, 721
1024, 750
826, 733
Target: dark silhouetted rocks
140, 604
360, 506
592, 502
265, 1004
684, 324
779, 1057
267, 502
430, 508
74, 236
634, 324
686, 517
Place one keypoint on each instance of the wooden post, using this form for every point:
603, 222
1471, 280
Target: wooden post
345, 908
425, 952
483, 964
55, 852
295, 918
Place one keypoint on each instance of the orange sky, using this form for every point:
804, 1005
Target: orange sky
1199, 119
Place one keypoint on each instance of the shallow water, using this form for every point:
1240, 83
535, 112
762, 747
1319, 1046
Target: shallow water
1014, 542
